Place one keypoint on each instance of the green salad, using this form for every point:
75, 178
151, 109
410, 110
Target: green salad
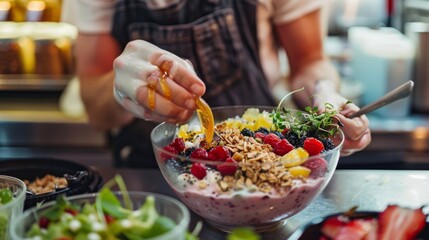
106, 219
6, 196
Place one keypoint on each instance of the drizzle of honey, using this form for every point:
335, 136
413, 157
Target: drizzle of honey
204, 111
205, 115
151, 97
165, 68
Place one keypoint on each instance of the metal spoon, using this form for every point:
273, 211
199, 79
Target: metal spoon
398, 93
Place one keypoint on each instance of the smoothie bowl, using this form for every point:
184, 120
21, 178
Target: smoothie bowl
262, 166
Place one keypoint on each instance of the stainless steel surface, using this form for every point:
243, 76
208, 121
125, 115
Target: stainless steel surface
419, 33
400, 92
368, 189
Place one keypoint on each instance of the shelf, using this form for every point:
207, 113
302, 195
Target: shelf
33, 82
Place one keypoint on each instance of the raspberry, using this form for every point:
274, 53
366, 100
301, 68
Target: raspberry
285, 131
172, 152
199, 153
260, 135
71, 211
219, 153
283, 147
178, 144
313, 146
199, 170
318, 167
43, 222
271, 139
109, 219
227, 168
281, 136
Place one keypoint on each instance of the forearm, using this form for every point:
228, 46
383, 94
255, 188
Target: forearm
95, 56
103, 111
319, 79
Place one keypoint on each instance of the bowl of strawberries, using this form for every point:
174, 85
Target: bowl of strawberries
394, 222
262, 165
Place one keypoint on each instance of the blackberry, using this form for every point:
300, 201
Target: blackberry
327, 143
247, 132
295, 140
175, 166
263, 130
189, 151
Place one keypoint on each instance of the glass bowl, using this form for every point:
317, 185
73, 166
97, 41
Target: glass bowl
10, 211
227, 201
165, 206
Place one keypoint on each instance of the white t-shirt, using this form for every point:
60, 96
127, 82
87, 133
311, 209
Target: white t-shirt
95, 16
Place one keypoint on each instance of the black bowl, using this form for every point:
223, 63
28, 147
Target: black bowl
82, 178
312, 230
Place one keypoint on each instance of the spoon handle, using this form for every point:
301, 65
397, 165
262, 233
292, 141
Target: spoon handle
398, 93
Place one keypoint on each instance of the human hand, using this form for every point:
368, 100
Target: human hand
356, 130
138, 70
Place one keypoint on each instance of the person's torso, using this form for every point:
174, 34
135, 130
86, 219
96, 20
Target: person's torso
219, 37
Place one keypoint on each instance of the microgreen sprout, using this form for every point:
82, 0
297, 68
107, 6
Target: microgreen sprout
310, 120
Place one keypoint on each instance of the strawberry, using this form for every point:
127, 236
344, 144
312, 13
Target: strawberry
227, 168
332, 226
283, 147
199, 170
400, 223
271, 139
355, 229
218, 153
313, 146
318, 167
342, 227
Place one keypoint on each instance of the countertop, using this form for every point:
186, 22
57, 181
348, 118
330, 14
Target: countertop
371, 190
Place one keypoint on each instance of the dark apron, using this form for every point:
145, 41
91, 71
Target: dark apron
217, 36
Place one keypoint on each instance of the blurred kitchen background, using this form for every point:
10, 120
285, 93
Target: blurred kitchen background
376, 46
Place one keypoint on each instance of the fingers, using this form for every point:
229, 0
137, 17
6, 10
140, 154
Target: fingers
130, 76
145, 113
176, 93
140, 68
163, 107
356, 130
181, 71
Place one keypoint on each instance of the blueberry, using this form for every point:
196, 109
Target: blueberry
327, 143
175, 166
263, 130
295, 140
247, 132
189, 151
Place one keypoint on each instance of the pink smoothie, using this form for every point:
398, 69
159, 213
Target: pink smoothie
245, 207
